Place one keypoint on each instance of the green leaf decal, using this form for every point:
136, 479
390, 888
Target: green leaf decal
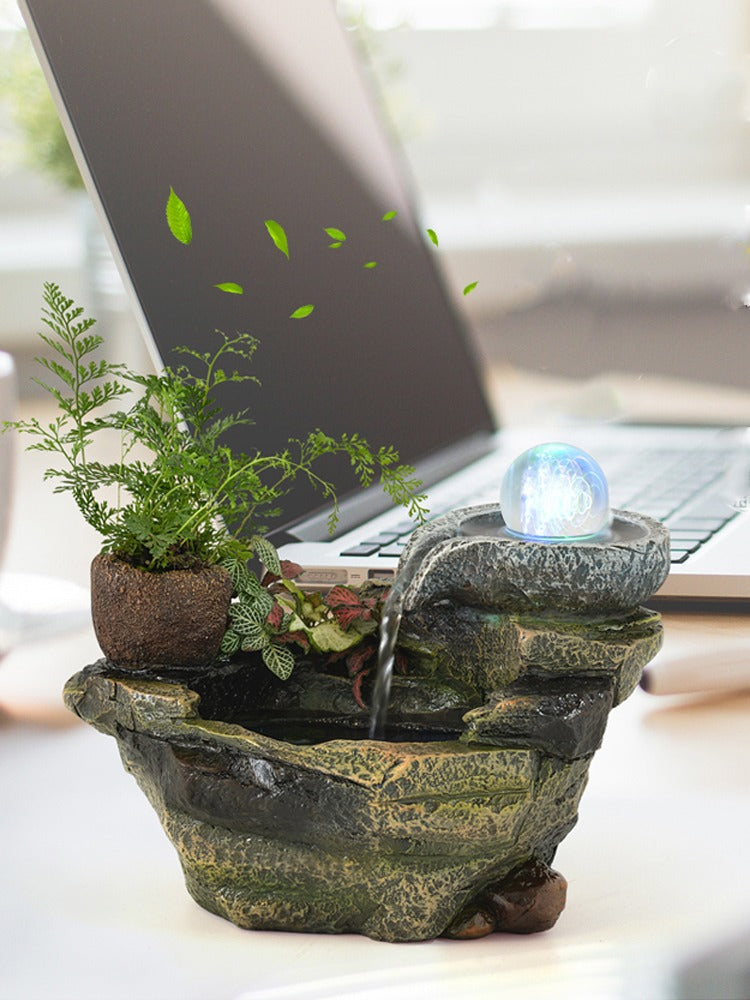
370, 264
334, 246
277, 234
433, 236
335, 234
230, 286
302, 312
470, 287
388, 216
178, 218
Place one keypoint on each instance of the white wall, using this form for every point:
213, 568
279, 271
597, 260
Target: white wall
614, 154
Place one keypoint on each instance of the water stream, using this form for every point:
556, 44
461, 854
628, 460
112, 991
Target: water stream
487, 523
389, 626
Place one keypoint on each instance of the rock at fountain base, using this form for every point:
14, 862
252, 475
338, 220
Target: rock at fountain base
529, 900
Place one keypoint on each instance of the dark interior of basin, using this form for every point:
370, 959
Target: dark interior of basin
562, 715
313, 706
312, 731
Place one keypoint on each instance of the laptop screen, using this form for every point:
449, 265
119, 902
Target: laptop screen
254, 111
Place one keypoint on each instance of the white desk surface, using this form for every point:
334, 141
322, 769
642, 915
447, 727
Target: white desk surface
93, 903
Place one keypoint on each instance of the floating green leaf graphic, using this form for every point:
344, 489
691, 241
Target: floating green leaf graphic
388, 216
302, 312
230, 286
334, 246
178, 218
370, 264
433, 236
336, 234
277, 234
470, 287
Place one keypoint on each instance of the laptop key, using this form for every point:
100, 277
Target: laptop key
679, 557
710, 524
659, 512
678, 535
361, 550
392, 551
404, 527
713, 507
382, 538
685, 546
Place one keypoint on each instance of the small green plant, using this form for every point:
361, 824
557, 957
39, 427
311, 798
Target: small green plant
273, 613
178, 496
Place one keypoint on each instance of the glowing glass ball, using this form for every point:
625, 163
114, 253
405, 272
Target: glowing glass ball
555, 492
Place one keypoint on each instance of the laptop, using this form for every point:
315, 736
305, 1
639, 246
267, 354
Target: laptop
251, 111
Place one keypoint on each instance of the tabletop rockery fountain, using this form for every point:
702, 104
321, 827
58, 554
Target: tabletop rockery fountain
240, 703
437, 808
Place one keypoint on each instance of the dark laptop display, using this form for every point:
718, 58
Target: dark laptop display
181, 93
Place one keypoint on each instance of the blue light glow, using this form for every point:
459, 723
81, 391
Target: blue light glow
555, 492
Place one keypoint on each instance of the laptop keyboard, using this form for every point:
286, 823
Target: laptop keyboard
682, 491
670, 485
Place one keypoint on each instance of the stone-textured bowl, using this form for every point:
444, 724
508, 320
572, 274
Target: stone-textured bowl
175, 617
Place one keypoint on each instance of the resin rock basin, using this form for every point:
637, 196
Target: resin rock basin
449, 830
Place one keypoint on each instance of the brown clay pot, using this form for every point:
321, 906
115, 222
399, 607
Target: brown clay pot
174, 618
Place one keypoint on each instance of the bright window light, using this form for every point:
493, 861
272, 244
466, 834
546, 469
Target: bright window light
450, 15
10, 16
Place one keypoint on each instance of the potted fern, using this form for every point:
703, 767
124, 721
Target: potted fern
180, 513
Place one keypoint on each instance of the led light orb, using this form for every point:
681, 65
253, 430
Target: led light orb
555, 492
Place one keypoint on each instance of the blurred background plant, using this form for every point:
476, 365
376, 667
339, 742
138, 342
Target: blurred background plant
39, 140
48, 225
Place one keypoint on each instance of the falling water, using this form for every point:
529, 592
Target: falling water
390, 621
393, 609
389, 625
